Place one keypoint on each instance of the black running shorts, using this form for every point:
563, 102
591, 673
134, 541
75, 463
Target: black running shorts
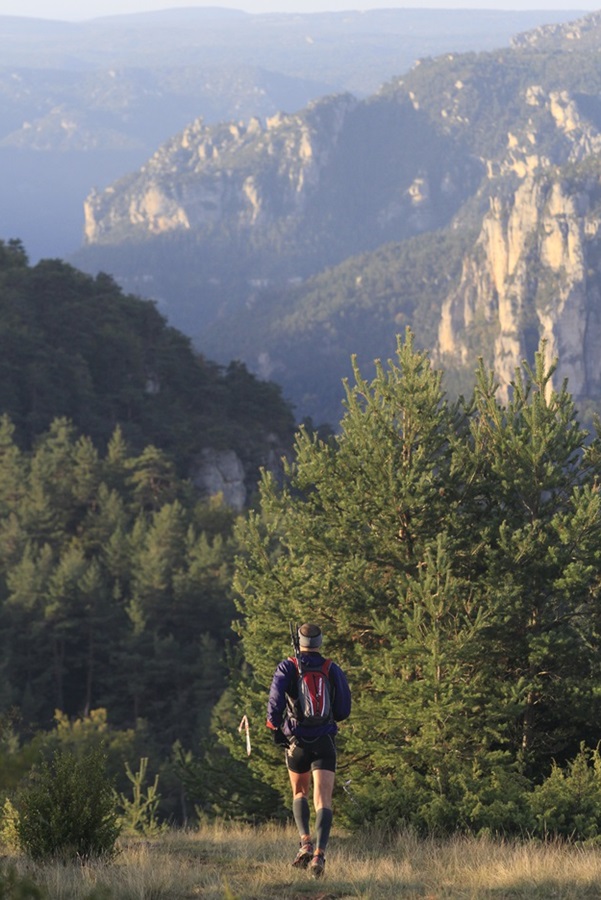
319, 753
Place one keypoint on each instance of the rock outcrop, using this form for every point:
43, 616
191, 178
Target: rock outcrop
246, 174
533, 273
220, 472
338, 177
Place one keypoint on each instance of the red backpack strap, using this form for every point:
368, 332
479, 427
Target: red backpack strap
325, 666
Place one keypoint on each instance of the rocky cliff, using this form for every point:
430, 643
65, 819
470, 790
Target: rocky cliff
284, 197
578, 35
533, 272
244, 174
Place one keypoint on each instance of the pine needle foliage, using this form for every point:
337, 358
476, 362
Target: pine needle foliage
67, 810
139, 814
451, 552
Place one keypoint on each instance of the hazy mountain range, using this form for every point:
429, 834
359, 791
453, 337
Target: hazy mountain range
458, 197
82, 104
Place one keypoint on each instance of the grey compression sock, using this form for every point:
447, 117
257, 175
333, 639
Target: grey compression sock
300, 811
323, 824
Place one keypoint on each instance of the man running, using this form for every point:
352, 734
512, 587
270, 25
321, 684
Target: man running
310, 747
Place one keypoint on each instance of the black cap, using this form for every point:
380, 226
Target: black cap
309, 637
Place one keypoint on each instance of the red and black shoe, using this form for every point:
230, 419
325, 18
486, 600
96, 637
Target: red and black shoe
317, 866
304, 855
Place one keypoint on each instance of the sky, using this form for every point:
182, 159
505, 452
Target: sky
77, 10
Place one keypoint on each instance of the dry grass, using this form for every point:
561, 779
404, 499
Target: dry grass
242, 863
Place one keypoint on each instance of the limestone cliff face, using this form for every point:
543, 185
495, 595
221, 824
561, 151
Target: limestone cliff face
339, 176
533, 273
222, 473
505, 146
245, 174
583, 32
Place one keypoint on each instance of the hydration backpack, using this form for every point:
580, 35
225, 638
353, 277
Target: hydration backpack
314, 703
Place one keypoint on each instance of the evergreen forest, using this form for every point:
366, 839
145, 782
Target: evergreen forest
115, 572
450, 549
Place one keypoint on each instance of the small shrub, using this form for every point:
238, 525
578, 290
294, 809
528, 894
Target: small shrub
67, 809
568, 802
139, 815
492, 797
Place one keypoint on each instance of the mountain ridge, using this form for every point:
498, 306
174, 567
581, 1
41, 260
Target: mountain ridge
501, 145
302, 57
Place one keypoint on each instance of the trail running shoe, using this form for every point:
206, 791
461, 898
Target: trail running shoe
317, 867
304, 855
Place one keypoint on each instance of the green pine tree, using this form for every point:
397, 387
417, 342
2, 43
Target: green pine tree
451, 554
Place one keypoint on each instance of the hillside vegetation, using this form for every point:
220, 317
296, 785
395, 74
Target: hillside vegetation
304, 338
449, 546
78, 347
450, 550
115, 572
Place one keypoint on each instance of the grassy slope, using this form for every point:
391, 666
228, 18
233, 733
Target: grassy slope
244, 863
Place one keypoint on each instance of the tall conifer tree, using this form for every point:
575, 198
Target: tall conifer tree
451, 554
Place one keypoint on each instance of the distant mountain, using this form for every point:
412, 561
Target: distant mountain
49, 110
221, 211
82, 104
354, 50
64, 132
473, 183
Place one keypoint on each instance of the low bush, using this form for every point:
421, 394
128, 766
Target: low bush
568, 803
66, 810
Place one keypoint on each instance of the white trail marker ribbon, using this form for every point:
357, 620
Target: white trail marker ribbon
244, 725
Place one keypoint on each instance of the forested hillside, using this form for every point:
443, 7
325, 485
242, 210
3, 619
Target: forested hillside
115, 572
449, 549
114, 587
78, 347
304, 337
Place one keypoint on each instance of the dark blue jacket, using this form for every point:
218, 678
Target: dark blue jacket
285, 683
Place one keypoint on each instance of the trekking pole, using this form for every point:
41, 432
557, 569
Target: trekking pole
296, 645
245, 725
354, 801
345, 788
